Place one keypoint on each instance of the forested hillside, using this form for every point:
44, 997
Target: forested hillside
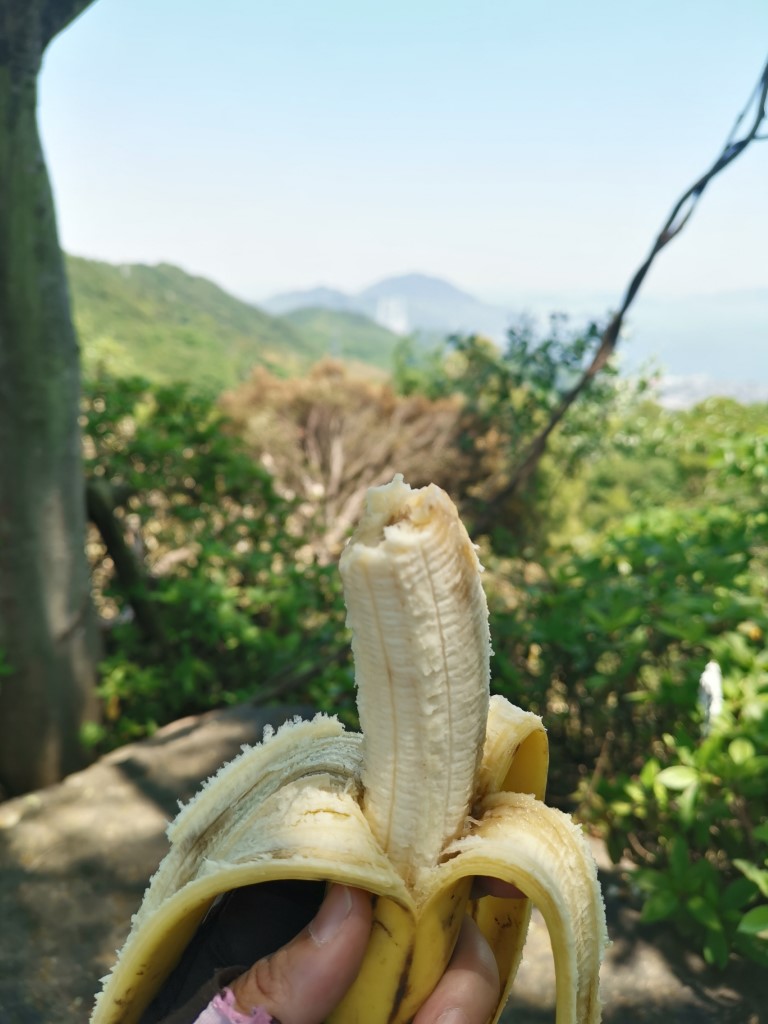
168, 325
344, 335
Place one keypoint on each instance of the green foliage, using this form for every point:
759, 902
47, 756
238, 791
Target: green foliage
608, 640
620, 634
239, 613
513, 390
420, 369
344, 335
167, 325
703, 820
676, 459
509, 396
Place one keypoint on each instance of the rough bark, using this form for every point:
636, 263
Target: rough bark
48, 636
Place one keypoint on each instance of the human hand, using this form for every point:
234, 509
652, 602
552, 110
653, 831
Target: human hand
304, 980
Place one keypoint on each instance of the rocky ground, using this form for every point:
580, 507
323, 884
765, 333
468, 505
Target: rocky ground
74, 860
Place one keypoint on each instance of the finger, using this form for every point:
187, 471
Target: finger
468, 992
302, 982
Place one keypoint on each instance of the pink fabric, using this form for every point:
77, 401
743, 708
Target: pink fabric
221, 1010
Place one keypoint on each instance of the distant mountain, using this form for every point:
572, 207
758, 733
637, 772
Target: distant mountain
168, 325
314, 298
408, 304
165, 324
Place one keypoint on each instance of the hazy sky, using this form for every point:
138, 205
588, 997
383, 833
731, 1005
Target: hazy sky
511, 146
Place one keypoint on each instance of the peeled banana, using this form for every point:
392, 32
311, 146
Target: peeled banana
443, 784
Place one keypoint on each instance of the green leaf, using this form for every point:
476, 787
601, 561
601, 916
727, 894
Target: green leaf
596, 684
692, 630
716, 949
754, 874
736, 894
704, 913
755, 922
761, 832
687, 804
741, 750
702, 877
649, 771
679, 861
635, 792
678, 777
660, 904
752, 947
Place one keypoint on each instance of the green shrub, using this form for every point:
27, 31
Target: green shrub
608, 642
238, 610
698, 814
508, 397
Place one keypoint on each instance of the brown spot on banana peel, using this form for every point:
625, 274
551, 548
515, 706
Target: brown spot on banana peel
403, 986
380, 924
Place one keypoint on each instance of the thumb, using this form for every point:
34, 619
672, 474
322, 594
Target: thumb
302, 982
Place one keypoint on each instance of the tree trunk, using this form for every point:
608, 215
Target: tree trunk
48, 636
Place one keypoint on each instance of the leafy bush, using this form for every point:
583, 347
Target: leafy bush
236, 611
609, 643
698, 815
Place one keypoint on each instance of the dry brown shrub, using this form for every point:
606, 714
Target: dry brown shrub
329, 436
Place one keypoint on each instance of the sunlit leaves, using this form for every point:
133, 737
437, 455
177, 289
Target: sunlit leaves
677, 777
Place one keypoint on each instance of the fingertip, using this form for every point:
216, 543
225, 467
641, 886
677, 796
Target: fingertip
332, 915
341, 903
469, 991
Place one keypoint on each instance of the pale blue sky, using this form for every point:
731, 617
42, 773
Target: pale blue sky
512, 147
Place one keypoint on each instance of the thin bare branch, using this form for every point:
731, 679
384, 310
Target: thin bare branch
674, 224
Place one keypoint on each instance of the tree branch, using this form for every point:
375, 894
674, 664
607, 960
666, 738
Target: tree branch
134, 581
674, 224
57, 14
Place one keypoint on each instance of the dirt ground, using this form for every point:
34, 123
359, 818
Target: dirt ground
75, 858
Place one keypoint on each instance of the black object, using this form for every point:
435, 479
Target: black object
243, 926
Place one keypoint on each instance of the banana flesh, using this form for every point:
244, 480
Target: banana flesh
420, 631
444, 784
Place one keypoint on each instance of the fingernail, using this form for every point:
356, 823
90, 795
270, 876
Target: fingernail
332, 915
454, 1015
